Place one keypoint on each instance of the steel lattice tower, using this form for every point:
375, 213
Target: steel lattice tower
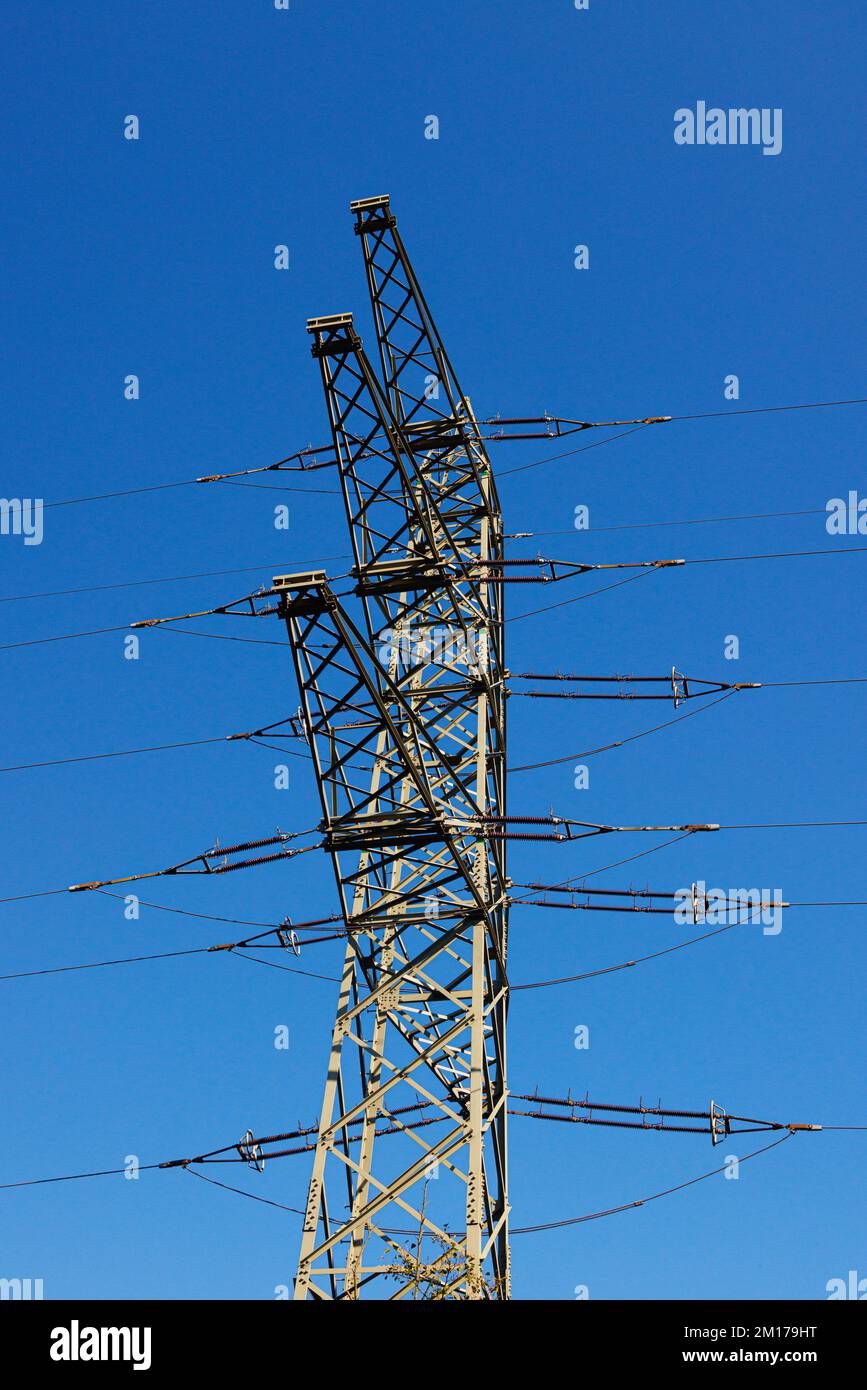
404, 713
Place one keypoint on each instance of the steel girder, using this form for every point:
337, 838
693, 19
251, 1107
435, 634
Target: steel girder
406, 723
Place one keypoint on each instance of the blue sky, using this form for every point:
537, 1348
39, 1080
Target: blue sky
155, 257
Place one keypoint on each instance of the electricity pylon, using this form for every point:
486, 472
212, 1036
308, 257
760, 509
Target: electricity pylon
405, 718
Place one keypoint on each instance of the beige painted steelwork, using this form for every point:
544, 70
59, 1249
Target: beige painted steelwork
405, 718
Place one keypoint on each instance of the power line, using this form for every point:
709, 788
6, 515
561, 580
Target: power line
168, 579
518, 617
666, 724
793, 824
623, 965
225, 637
569, 453
163, 747
76, 1177
707, 415
157, 487
290, 969
230, 921
711, 560
289, 752
838, 680
121, 753
680, 521
282, 487
127, 492
125, 627
254, 1196
282, 931
770, 409
642, 1201
98, 964
619, 743
851, 903
630, 858
64, 637
23, 897
777, 555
